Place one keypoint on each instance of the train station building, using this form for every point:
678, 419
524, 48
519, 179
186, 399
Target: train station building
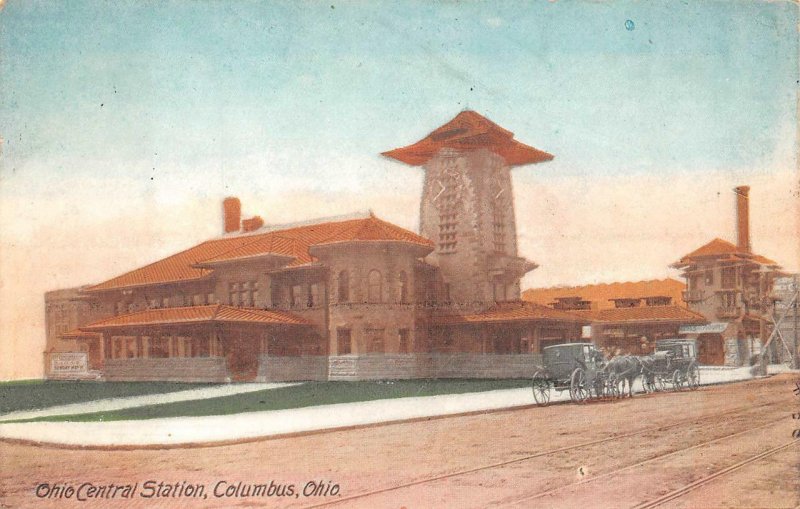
342, 298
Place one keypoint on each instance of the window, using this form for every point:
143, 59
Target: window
402, 282
343, 341
499, 292
165, 302
344, 286
243, 293
729, 277
297, 296
210, 299
498, 229
374, 289
728, 300
403, 341
253, 297
709, 277
313, 295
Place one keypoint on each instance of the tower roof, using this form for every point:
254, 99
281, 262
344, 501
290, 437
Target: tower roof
722, 249
470, 131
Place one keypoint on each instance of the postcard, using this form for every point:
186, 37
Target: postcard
399, 254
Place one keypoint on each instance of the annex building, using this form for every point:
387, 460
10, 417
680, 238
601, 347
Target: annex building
342, 298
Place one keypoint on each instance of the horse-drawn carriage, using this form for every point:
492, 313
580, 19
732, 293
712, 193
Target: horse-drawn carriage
576, 367
673, 363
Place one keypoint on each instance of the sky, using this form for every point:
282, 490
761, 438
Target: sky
124, 124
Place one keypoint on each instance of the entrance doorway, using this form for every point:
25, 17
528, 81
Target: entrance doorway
711, 349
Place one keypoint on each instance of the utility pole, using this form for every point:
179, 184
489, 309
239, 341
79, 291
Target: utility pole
796, 352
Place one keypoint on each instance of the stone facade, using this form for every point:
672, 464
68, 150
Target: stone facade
467, 209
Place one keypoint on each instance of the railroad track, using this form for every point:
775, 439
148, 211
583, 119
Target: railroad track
672, 495
529, 457
639, 464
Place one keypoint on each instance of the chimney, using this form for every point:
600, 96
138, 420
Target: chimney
743, 218
252, 224
231, 214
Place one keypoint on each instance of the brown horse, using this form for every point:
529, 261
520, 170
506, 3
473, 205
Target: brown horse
624, 368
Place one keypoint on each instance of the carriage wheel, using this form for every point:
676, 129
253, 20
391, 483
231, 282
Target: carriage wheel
677, 380
660, 383
541, 389
578, 391
693, 376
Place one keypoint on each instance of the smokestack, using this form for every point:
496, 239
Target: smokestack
252, 224
231, 214
743, 218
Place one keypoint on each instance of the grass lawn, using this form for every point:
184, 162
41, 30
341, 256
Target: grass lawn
304, 395
37, 394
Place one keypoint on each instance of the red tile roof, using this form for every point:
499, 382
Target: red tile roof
468, 131
641, 314
722, 249
518, 311
600, 295
216, 313
194, 263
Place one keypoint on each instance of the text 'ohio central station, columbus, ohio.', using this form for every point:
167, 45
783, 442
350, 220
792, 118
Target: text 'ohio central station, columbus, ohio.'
357, 297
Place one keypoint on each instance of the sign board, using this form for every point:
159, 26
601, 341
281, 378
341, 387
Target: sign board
69, 363
711, 328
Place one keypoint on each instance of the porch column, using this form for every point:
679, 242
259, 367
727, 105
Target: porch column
105, 346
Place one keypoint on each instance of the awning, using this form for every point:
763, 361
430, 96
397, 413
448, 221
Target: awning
217, 313
710, 328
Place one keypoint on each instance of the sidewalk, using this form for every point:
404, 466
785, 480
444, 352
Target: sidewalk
202, 430
104, 405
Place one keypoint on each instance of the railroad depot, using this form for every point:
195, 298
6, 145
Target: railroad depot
342, 298
356, 297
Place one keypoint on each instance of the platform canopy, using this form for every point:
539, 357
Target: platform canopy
470, 131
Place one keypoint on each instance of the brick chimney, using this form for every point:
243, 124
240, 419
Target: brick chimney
252, 224
743, 218
231, 214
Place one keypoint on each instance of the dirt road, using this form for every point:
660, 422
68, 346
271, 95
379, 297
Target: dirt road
721, 446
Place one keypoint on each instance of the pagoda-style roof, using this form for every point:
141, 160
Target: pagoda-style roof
719, 249
470, 131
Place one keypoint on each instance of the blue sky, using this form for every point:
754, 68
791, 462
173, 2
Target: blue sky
693, 85
126, 123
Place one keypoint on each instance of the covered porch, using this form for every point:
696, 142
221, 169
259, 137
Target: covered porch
214, 343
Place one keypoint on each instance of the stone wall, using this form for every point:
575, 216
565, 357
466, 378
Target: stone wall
292, 369
457, 365
176, 369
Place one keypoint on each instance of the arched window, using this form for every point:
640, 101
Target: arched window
374, 289
344, 286
403, 287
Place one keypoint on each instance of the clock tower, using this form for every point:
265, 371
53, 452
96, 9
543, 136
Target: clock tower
467, 207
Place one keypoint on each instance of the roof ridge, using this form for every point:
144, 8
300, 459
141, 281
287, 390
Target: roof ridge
276, 228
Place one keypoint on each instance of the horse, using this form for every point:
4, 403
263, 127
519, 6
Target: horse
625, 367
